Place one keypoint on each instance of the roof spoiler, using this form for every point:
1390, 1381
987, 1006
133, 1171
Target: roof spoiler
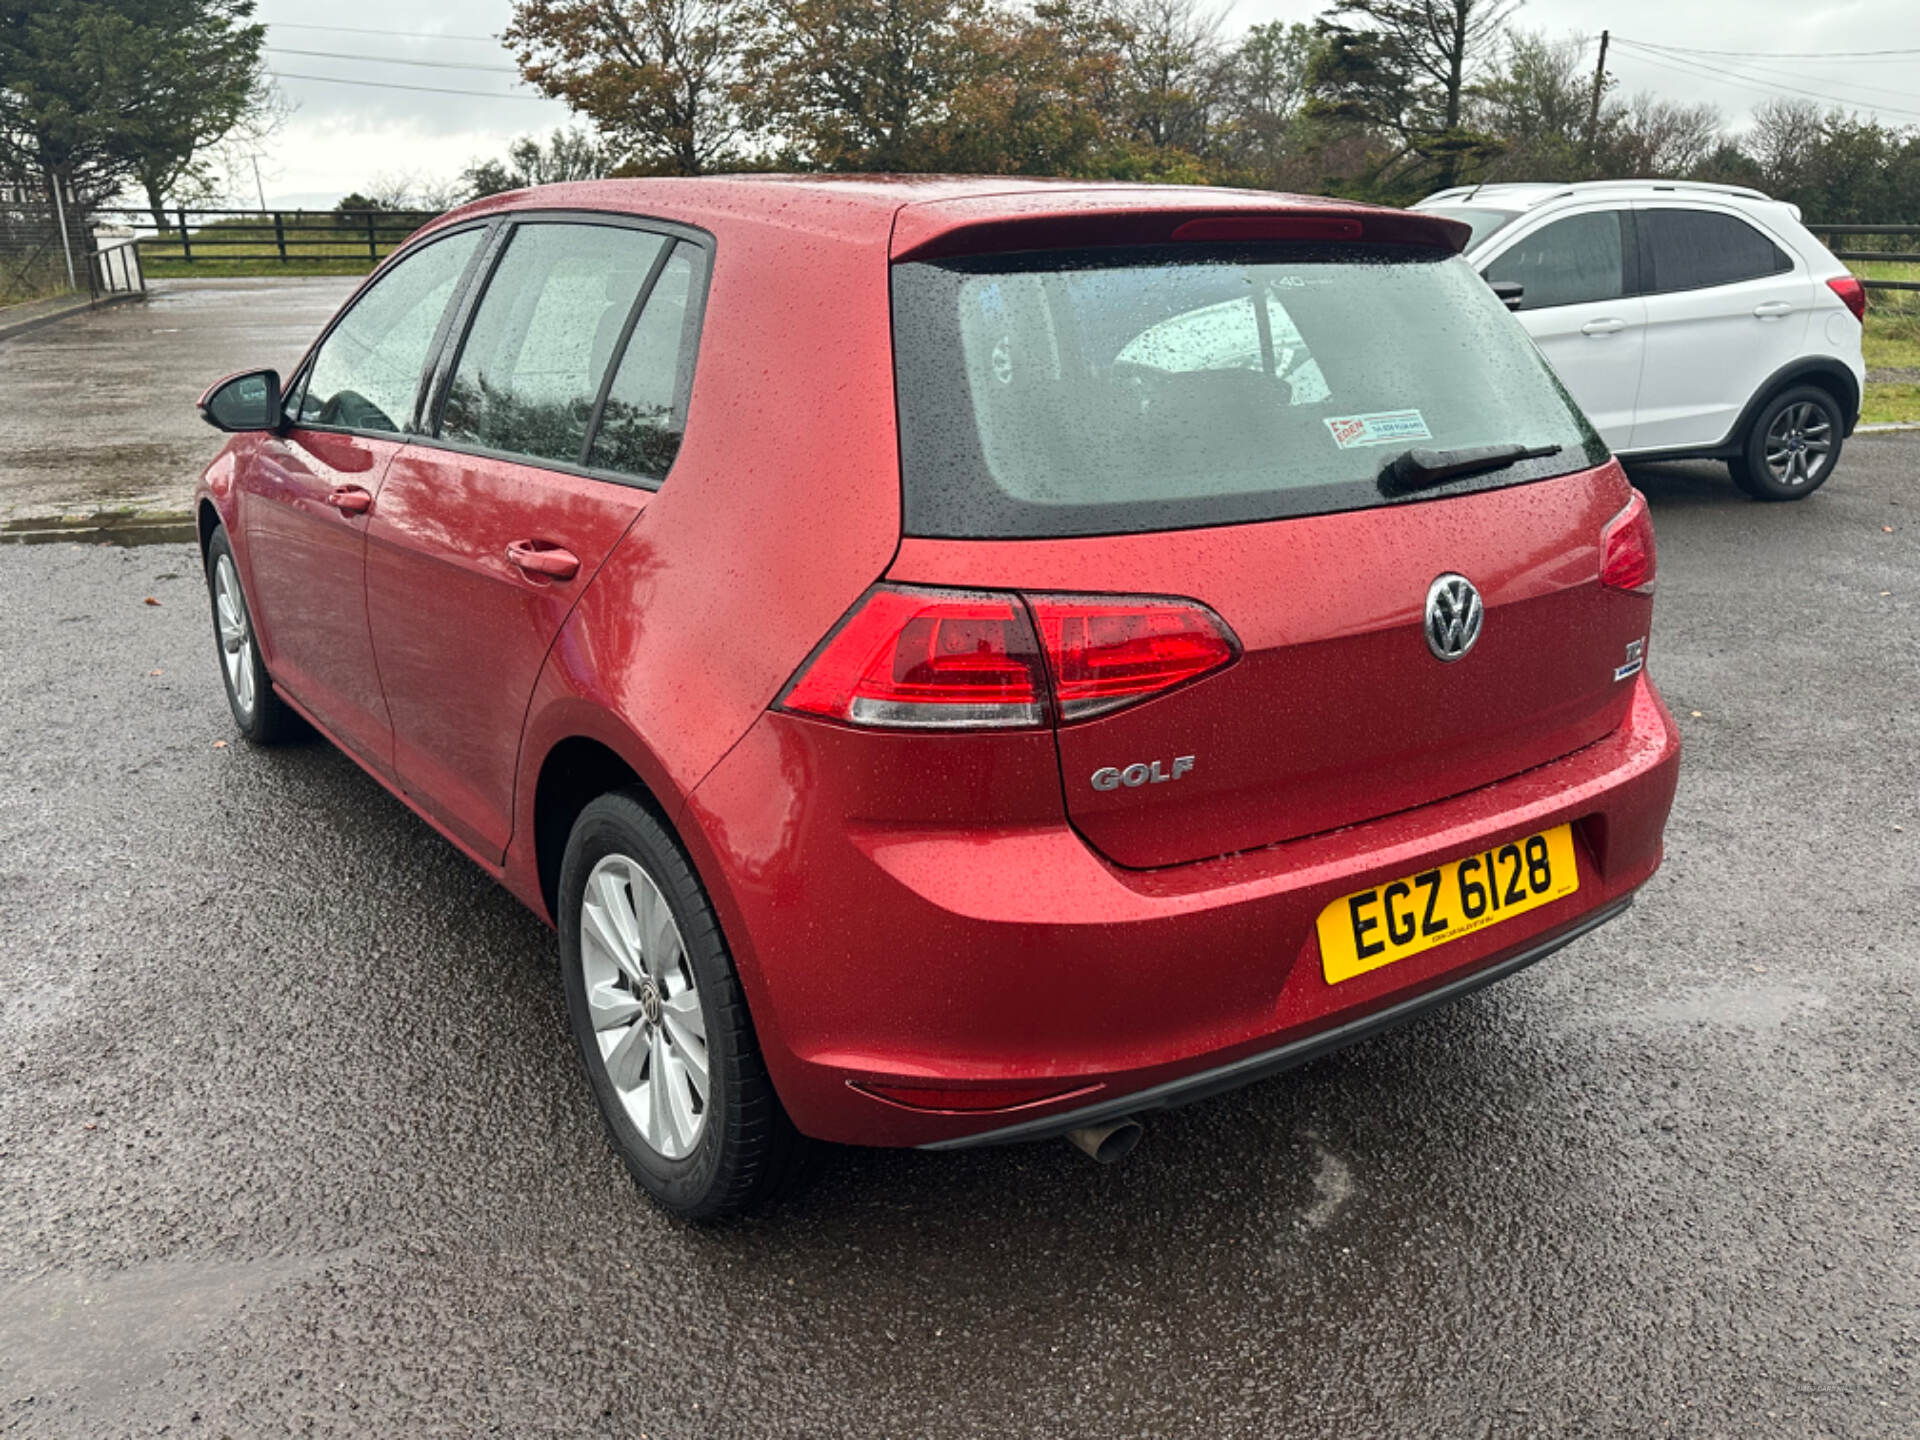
990, 225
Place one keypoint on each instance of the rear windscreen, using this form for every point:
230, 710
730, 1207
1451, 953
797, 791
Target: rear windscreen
1481, 222
1114, 391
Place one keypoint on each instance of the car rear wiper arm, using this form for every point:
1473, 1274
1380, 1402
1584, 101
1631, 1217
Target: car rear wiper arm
1423, 469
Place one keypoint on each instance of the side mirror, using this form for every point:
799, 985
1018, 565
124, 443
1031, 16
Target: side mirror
247, 401
1509, 292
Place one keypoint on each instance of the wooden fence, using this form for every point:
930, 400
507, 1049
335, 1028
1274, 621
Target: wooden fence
198, 236
1908, 254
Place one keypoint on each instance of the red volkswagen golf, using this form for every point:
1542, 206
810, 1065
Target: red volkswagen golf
958, 661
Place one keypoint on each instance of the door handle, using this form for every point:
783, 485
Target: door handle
1767, 309
1602, 327
537, 558
350, 499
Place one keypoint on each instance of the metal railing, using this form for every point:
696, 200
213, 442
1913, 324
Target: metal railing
1827, 234
195, 237
114, 269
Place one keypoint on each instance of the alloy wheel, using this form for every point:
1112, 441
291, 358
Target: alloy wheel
1799, 443
236, 649
645, 1005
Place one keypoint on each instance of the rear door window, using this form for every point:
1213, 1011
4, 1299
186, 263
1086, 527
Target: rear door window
1102, 392
545, 332
1574, 261
1695, 249
646, 406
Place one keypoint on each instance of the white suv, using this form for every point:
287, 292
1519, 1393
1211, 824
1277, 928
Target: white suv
1687, 320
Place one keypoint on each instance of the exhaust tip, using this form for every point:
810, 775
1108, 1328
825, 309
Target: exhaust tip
1107, 1143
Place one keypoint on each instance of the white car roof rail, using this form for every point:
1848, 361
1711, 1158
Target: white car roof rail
1537, 192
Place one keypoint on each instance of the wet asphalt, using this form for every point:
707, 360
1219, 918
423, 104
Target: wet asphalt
292, 1138
96, 411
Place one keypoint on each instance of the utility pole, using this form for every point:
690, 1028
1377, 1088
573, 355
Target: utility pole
258, 188
1599, 86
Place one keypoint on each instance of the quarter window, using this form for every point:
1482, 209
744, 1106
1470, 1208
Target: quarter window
645, 413
1693, 249
543, 336
366, 375
1570, 262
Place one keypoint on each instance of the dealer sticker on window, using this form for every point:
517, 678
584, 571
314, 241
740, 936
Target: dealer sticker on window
1381, 428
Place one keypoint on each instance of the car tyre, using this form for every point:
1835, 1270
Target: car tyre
659, 1017
1792, 445
262, 716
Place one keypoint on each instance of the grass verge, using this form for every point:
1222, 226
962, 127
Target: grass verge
253, 267
1890, 404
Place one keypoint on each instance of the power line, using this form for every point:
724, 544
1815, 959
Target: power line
396, 60
403, 34
1904, 93
1695, 69
1771, 54
395, 85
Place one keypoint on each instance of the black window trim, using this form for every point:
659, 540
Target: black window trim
304, 371
619, 355
447, 358
1649, 290
1635, 263
443, 352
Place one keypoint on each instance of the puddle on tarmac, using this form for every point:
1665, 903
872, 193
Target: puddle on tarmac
125, 528
72, 1329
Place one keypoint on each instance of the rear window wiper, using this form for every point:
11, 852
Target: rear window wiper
1423, 469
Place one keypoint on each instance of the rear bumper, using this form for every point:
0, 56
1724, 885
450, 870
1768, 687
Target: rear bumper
1218, 1081
880, 953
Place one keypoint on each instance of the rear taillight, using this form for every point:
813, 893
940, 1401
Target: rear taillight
917, 659
1626, 549
1852, 294
1106, 653
969, 660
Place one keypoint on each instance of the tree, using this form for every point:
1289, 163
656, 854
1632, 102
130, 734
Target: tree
940, 85
1405, 68
1040, 98
865, 84
198, 76
658, 78
567, 155
1651, 138
1537, 103
1785, 141
94, 93
1174, 72
59, 96
1264, 93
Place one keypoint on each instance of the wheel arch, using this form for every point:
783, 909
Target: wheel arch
207, 519
1822, 371
575, 770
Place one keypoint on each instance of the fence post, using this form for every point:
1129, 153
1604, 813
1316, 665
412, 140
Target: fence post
373, 247
280, 234
186, 245
66, 241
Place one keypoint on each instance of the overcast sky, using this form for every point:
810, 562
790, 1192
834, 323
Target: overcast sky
344, 137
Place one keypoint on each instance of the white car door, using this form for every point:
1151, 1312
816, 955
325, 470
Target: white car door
1573, 275
1727, 306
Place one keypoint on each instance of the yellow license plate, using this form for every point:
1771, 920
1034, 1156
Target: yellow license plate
1376, 927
